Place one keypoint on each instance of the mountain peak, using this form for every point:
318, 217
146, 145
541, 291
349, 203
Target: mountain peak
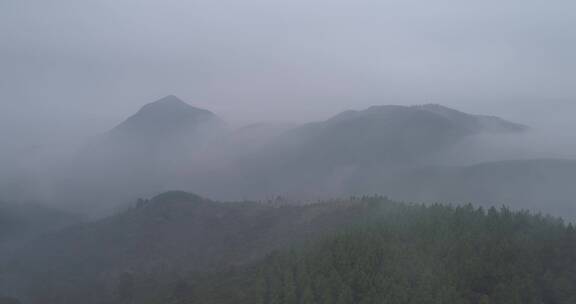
164, 117
169, 99
168, 102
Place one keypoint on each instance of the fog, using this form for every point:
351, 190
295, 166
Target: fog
72, 70
259, 151
90, 63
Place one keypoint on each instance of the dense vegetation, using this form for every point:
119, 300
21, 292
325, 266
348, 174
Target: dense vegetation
412, 254
157, 240
179, 248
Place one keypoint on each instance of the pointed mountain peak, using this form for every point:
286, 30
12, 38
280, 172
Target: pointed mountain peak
166, 116
170, 108
168, 102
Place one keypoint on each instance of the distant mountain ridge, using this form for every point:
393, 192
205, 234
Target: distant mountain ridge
479, 123
390, 137
169, 144
397, 133
472, 122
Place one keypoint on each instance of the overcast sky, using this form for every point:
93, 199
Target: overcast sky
83, 65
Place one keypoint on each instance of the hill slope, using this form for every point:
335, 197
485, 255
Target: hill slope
174, 233
544, 185
20, 222
166, 119
181, 248
320, 157
399, 134
413, 254
143, 155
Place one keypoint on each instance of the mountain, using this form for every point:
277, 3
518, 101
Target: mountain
410, 254
174, 232
544, 185
161, 136
169, 144
166, 119
319, 157
475, 123
392, 134
182, 248
145, 154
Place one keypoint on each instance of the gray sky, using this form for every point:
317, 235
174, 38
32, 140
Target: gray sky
70, 66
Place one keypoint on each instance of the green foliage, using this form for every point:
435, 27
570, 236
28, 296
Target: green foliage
176, 249
400, 253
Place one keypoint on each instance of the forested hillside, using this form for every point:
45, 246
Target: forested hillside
170, 235
413, 254
181, 248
